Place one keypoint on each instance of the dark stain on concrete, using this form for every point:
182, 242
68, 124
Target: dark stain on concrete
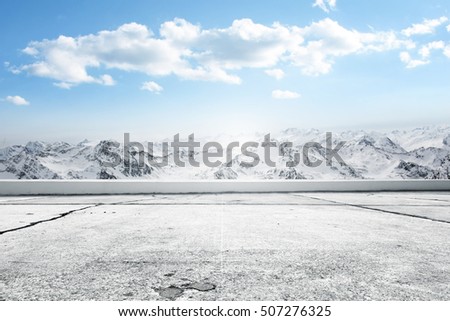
200, 286
172, 292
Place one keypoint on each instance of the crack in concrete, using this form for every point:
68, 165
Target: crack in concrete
56, 204
47, 220
278, 204
380, 210
21, 199
56, 217
430, 199
424, 199
72, 203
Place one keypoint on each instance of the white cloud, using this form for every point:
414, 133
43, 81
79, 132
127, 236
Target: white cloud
63, 85
284, 94
448, 28
330, 40
246, 44
275, 73
190, 52
426, 27
107, 80
152, 86
30, 51
325, 5
425, 51
17, 100
447, 51
410, 63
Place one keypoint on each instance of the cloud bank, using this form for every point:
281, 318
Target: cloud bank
189, 52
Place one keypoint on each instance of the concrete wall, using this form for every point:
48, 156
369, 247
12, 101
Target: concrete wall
80, 187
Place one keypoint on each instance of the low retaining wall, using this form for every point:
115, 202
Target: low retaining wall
98, 187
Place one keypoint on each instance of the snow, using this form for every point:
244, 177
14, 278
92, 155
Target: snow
416, 153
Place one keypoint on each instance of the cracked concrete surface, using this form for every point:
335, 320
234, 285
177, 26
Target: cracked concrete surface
289, 246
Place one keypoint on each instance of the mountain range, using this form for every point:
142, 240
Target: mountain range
420, 153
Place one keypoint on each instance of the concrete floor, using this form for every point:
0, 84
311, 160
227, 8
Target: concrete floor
297, 246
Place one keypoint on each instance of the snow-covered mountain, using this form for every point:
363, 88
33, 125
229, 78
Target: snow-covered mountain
418, 153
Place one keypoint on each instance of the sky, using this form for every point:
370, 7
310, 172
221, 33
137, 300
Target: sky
71, 70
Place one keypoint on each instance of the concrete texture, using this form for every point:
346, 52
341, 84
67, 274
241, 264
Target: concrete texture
288, 246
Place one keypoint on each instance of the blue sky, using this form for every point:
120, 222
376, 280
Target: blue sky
96, 69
